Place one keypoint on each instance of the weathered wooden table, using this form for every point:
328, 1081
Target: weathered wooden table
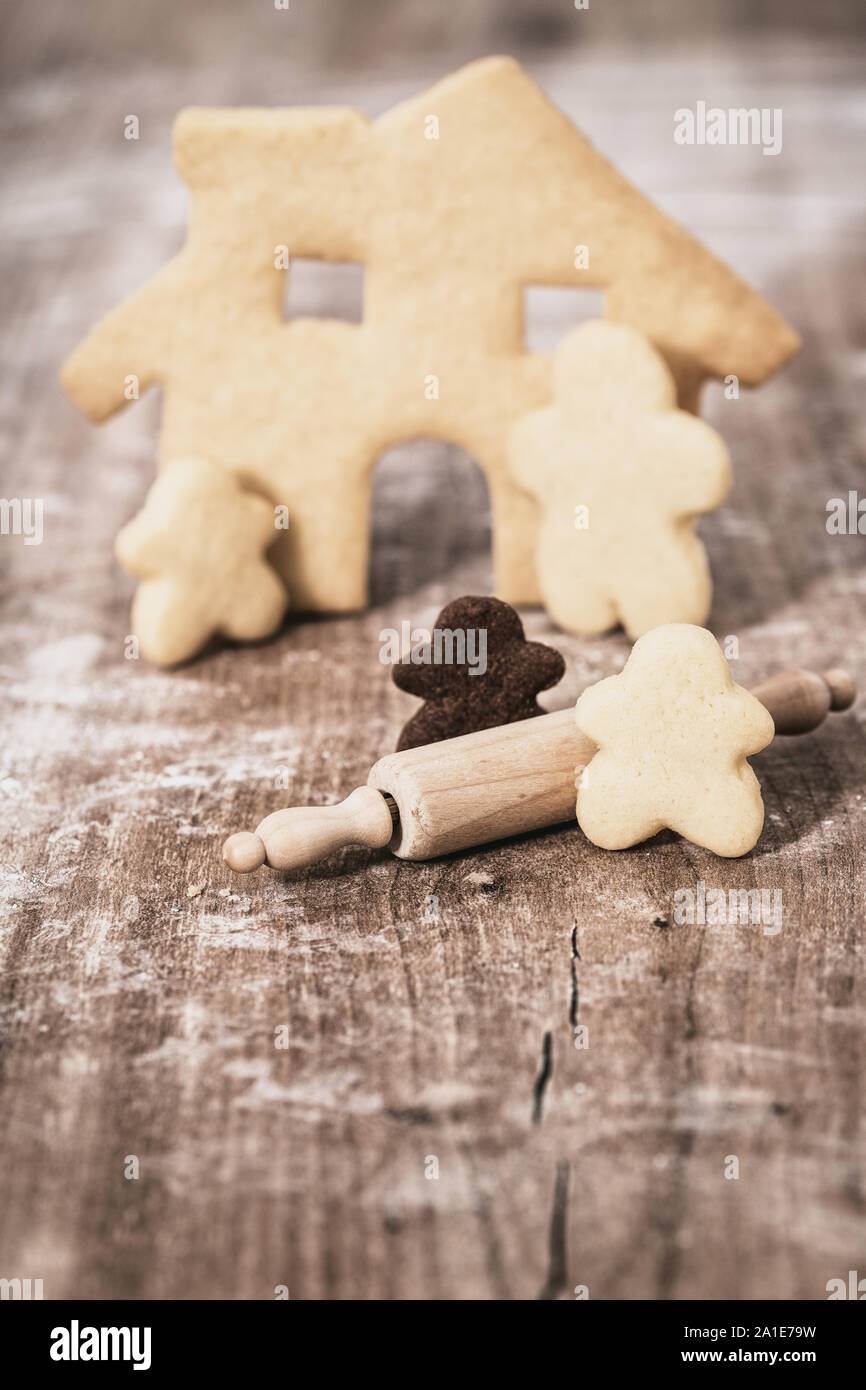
431, 1131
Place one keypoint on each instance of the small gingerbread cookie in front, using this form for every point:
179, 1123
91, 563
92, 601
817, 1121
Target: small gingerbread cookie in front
199, 547
494, 682
673, 732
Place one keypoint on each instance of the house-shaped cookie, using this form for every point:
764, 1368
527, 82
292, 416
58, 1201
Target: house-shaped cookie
454, 201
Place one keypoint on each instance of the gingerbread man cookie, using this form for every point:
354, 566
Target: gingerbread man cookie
198, 546
673, 732
496, 685
620, 474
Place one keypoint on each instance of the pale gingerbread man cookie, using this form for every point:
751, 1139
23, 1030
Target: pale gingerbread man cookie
620, 474
199, 545
673, 732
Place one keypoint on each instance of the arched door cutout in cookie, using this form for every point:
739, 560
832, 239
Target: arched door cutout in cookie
430, 523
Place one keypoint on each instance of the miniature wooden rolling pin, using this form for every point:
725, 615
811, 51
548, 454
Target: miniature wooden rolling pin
483, 786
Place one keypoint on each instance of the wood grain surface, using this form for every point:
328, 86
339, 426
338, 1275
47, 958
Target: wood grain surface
431, 1008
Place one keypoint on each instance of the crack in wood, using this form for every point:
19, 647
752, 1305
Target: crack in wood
543, 1077
670, 1255
557, 1280
575, 991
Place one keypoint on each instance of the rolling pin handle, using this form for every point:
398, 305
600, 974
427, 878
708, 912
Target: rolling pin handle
302, 835
244, 852
842, 689
801, 700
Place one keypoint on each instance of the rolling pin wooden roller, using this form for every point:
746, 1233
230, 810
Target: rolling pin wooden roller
483, 786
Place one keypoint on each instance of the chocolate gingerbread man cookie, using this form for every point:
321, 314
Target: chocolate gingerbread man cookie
477, 670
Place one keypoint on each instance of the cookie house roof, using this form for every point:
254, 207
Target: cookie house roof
509, 168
